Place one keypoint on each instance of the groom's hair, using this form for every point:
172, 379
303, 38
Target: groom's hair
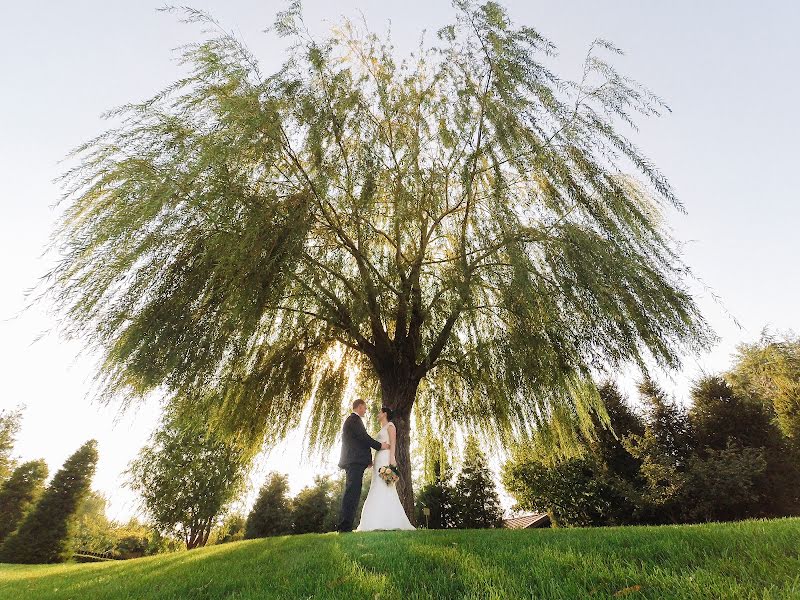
358, 403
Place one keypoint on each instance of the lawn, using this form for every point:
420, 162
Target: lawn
751, 559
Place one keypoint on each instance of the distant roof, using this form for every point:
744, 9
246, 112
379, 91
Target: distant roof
528, 521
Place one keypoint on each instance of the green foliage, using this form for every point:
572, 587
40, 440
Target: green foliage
724, 485
271, 513
457, 226
477, 505
575, 492
722, 459
187, 476
9, 426
232, 529
739, 428
747, 560
19, 493
136, 539
720, 417
312, 506
93, 531
45, 535
769, 371
598, 486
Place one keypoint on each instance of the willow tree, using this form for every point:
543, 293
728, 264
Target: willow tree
461, 229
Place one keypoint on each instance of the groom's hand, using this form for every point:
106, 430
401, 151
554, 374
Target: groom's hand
384, 446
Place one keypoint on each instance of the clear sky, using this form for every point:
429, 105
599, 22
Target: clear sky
728, 70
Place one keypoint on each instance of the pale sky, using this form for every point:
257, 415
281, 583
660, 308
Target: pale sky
728, 70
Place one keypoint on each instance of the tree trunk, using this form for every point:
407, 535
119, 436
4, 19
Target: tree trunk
400, 396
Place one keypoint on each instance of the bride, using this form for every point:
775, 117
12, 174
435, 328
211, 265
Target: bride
382, 508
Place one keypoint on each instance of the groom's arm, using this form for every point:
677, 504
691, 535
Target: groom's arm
360, 433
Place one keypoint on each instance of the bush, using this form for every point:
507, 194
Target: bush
231, 530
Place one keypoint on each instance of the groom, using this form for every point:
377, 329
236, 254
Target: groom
356, 457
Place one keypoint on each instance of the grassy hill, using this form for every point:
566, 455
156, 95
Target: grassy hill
752, 559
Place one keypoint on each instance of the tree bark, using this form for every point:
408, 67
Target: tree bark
400, 396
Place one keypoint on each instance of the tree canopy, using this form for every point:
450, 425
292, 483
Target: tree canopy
769, 370
461, 229
187, 477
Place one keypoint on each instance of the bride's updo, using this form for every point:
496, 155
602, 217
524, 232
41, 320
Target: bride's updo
389, 412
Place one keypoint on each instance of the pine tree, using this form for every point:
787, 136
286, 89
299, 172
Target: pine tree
271, 514
437, 496
44, 535
478, 506
19, 493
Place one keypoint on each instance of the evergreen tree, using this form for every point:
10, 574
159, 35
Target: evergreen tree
740, 444
44, 535
311, 507
9, 426
719, 417
19, 493
668, 422
477, 502
437, 496
598, 486
271, 514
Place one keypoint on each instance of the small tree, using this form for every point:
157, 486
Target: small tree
438, 496
45, 534
19, 493
187, 476
9, 426
93, 531
478, 506
312, 506
272, 513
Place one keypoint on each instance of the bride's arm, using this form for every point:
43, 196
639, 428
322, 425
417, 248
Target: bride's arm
392, 439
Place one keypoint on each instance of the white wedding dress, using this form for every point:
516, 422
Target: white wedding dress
382, 508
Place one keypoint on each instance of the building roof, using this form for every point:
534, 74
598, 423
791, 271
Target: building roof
528, 521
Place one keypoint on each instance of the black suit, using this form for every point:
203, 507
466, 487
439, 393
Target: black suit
356, 456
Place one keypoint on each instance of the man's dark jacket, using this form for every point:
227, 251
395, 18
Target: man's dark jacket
356, 443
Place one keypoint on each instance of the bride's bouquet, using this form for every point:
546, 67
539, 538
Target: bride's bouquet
389, 473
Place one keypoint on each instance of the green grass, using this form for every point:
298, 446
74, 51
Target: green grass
752, 559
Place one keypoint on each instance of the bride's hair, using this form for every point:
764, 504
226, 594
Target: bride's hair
389, 412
